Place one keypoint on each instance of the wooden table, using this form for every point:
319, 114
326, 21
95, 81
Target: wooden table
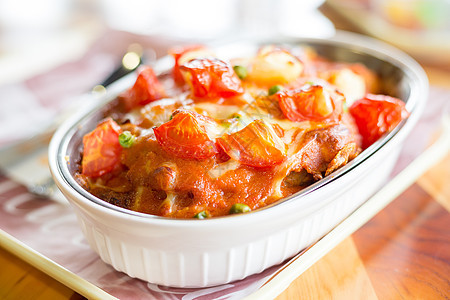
404, 252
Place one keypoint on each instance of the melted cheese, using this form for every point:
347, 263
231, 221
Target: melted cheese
221, 169
167, 204
350, 84
215, 110
138, 198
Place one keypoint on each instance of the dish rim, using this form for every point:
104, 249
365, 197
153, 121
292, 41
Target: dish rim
381, 51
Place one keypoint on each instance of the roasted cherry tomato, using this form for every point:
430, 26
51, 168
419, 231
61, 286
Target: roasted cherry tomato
377, 114
185, 52
102, 149
308, 104
211, 78
221, 155
186, 136
256, 145
146, 89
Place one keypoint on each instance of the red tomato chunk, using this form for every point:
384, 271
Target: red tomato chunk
211, 78
146, 89
101, 149
313, 103
185, 136
256, 145
177, 53
377, 114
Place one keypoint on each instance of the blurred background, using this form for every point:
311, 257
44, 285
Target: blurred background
36, 35
41, 34
51, 51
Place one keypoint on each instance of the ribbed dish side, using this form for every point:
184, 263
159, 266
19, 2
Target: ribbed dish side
193, 269
201, 269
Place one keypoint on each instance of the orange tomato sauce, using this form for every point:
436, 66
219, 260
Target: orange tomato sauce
203, 157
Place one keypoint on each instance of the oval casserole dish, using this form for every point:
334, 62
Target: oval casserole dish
201, 253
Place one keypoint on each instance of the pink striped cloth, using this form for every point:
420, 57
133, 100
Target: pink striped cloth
51, 229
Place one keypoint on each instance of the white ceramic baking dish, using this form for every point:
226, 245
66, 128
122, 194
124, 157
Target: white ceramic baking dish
200, 253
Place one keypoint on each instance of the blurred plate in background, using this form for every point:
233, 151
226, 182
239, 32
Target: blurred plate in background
419, 27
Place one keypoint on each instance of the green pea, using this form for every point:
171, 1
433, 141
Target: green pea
274, 89
240, 71
202, 215
126, 139
239, 208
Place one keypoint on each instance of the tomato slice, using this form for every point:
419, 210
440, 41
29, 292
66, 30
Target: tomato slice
179, 52
102, 149
186, 136
211, 78
256, 145
146, 89
311, 103
377, 114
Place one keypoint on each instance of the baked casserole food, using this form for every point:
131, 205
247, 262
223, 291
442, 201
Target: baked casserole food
214, 137
187, 252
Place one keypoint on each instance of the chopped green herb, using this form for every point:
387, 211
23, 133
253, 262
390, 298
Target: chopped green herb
240, 71
202, 215
274, 89
126, 139
345, 106
238, 208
